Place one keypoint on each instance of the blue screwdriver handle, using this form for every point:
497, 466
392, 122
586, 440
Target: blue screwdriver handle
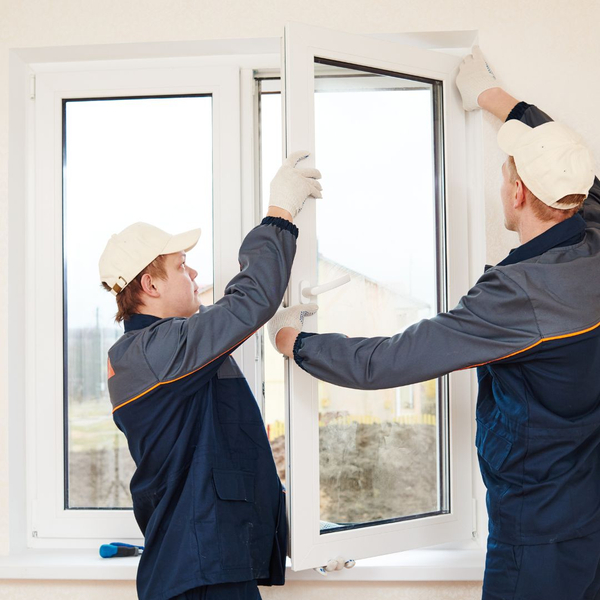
119, 549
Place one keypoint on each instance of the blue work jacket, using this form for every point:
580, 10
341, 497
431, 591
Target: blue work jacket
205, 492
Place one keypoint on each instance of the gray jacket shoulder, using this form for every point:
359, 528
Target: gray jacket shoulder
562, 285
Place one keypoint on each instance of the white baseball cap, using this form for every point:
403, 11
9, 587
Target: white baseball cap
128, 253
551, 159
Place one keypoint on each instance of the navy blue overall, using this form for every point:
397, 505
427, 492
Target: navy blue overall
206, 494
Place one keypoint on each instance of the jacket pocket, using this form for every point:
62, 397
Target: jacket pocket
234, 485
236, 517
279, 551
492, 447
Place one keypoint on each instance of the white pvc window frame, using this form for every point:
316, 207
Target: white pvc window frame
37, 517
309, 548
48, 517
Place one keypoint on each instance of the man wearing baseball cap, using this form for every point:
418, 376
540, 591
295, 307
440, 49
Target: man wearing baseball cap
531, 327
205, 492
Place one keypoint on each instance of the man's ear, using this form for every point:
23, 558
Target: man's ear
520, 194
148, 286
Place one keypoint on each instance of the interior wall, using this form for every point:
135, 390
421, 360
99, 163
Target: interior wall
543, 51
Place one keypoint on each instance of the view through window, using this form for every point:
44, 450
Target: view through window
125, 160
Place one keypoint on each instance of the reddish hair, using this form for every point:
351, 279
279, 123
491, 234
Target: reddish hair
540, 209
129, 299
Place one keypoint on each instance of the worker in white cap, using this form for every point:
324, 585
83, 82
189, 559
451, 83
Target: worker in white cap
531, 327
205, 492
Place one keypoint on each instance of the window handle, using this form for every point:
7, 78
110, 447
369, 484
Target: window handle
306, 291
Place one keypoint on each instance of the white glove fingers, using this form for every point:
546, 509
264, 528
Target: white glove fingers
466, 61
291, 186
312, 173
312, 183
315, 191
308, 310
474, 77
477, 53
295, 157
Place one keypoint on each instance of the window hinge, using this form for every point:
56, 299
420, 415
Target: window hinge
474, 524
32, 87
336, 564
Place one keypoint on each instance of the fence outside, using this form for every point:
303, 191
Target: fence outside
277, 428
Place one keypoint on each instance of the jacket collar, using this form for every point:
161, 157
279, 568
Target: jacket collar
139, 322
566, 233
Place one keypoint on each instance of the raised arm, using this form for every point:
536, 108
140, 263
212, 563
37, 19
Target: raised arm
251, 297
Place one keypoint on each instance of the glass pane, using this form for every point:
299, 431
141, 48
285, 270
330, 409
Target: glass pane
270, 161
126, 160
380, 451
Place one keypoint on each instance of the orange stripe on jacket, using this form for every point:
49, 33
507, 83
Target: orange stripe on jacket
181, 376
549, 339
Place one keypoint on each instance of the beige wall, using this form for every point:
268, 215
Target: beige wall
544, 50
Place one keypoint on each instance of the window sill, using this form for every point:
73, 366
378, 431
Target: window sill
416, 565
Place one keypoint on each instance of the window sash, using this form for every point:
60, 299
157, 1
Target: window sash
303, 43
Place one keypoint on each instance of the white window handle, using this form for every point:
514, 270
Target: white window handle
306, 291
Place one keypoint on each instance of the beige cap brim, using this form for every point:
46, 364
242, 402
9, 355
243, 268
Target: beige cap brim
182, 242
511, 134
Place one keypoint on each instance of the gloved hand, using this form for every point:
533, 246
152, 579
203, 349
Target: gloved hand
291, 186
292, 316
474, 76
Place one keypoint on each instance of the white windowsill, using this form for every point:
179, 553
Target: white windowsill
416, 565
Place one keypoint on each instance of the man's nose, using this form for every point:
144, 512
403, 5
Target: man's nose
193, 273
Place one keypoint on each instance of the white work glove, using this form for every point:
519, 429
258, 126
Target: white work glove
292, 316
474, 76
291, 186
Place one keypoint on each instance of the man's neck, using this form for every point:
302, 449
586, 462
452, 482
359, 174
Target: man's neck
532, 227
